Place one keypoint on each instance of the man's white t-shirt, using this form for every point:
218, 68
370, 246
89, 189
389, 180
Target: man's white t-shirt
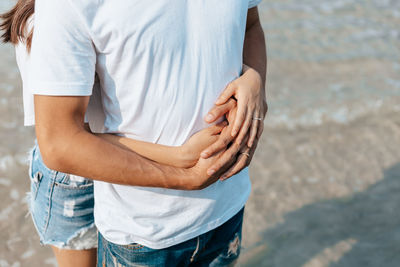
161, 66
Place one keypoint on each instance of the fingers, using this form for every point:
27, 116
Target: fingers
226, 94
227, 158
240, 117
224, 139
260, 129
245, 127
217, 128
254, 127
242, 162
218, 111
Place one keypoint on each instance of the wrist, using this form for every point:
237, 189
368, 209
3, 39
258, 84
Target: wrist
184, 179
180, 154
245, 68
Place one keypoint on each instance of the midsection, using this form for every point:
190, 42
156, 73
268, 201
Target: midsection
162, 71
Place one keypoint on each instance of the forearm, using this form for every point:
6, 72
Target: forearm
167, 155
79, 152
255, 52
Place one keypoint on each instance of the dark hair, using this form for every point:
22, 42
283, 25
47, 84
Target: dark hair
14, 23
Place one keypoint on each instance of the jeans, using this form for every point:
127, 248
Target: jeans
61, 206
218, 247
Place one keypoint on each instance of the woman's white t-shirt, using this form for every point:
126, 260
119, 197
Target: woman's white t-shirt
94, 112
161, 66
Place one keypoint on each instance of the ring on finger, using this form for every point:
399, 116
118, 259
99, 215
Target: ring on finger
245, 153
257, 118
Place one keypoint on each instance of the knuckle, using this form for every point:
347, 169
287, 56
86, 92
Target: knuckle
232, 85
232, 101
225, 141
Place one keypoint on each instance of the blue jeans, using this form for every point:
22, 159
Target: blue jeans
218, 247
61, 208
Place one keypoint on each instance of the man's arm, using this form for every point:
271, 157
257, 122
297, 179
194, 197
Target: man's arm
68, 147
254, 49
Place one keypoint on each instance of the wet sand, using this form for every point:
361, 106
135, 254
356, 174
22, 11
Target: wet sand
326, 176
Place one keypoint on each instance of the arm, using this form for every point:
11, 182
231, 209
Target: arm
66, 146
168, 155
249, 90
184, 156
255, 51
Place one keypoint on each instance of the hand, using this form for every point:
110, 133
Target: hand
189, 152
197, 177
247, 135
237, 156
225, 143
252, 107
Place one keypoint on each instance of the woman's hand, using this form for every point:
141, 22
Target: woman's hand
251, 110
248, 90
189, 152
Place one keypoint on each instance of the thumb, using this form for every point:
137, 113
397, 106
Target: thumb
226, 94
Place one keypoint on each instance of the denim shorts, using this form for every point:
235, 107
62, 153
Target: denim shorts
61, 206
216, 248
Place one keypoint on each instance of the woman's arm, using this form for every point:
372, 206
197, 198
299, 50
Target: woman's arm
184, 156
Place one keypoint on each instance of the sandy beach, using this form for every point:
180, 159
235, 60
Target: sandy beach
326, 175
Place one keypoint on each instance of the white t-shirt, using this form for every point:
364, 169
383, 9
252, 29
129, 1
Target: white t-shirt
94, 112
161, 67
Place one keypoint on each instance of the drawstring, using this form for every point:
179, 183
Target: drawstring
196, 250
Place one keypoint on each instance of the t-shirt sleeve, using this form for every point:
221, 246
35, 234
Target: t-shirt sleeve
63, 56
253, 3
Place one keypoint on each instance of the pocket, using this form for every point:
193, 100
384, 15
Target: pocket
35, 175
70, 181
128, 255
61, 179
130, 248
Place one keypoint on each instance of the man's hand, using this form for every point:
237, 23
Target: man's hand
198, 178
237, 155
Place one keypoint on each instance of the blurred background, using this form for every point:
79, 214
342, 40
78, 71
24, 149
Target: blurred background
326, 175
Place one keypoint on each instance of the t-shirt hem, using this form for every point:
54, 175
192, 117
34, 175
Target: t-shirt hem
57, 89
187, 236
29, 120
254, 3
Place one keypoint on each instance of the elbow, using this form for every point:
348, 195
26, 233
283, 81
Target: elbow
52, 148
51, 155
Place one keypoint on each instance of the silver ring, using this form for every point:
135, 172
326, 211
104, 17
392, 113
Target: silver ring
245, 153
259, 119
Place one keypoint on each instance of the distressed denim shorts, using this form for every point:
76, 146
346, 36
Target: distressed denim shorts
216, 248
61, 206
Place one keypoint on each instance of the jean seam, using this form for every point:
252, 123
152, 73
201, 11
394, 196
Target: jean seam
51, 189
133, 246
79, 187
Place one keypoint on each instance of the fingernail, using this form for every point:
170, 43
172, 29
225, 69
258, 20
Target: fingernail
233, 133
223, 178
209, 117
204, 154
210, 172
